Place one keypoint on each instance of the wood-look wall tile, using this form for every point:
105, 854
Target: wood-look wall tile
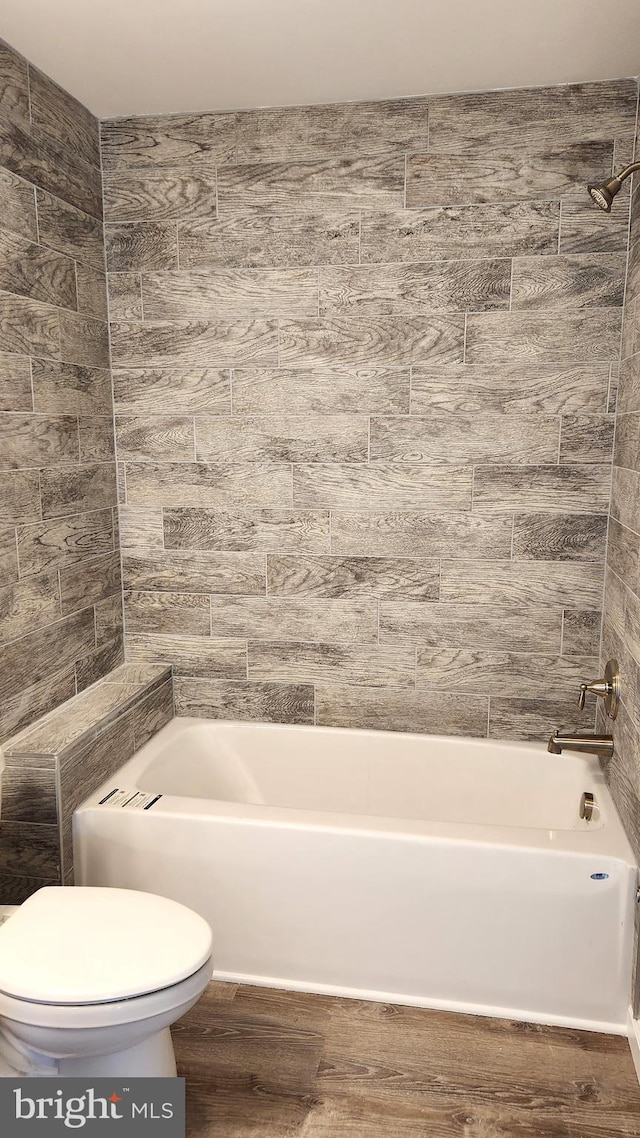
272, 618
92, 291
168, 438
30, 849
557, 489
85, 767
89, 581
440, 286
69, 389
203, 343
500, 673
532, 116
167, 612
203, 656
581, 632
125, 296
400, 577
535, 629
29, 795
501, 337
370, 182
96, 439
282, 438
362, 340
522, 583
270, 241
442, 437
334, 128
177, 140
515, 174
426, 712
109, 619
8, 554
208, 484
515, 388
586, 438
450, 232
174, 391
565, 282
623, 553
270, 531
586, 229
83, 340
195, 571
57, 114
46, 652
18, 205
32, 702
140, 527
30, 270
150, 715
535, 719
98, 663
133, 246
14, 84
385, 486
159, 193
26, 151
420, 533
627, 448
20, 496
560, 537
321, 391
287, 662
28, 327
267, 703
625, 498
230, 294
29, 604
15, 383
90, 487
70, 230
37, 440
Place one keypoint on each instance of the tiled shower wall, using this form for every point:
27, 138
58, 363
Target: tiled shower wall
60, 608
621, 625
364, 368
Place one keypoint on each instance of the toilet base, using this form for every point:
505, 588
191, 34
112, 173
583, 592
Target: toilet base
154, 1057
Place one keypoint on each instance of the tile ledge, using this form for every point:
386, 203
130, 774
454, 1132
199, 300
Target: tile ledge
143, 678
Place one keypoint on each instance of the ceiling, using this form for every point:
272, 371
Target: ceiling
144, 56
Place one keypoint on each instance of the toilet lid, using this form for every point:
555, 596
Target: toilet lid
92, 946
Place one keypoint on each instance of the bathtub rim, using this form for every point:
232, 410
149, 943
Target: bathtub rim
607, 840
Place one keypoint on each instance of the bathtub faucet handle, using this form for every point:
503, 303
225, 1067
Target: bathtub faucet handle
608, 689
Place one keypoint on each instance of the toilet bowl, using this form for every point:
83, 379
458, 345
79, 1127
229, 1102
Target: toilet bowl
92, 978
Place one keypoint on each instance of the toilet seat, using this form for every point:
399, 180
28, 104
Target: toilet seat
79, 1017
85, 946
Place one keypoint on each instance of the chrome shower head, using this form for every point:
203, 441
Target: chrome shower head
603, 193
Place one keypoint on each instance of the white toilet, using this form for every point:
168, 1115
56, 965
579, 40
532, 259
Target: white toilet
92, 979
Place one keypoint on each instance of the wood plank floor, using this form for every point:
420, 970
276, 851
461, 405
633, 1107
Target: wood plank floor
262, 1063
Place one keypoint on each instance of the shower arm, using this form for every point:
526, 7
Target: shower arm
627, 171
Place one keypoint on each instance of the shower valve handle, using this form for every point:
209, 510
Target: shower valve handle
596, 687
608, 689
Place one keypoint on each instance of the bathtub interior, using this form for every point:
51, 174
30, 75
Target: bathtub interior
369, 773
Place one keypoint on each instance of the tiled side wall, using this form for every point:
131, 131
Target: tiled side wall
60, 608
53, 766
362, 367
621, 625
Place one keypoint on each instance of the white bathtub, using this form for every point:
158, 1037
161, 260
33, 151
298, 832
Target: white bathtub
441, 872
